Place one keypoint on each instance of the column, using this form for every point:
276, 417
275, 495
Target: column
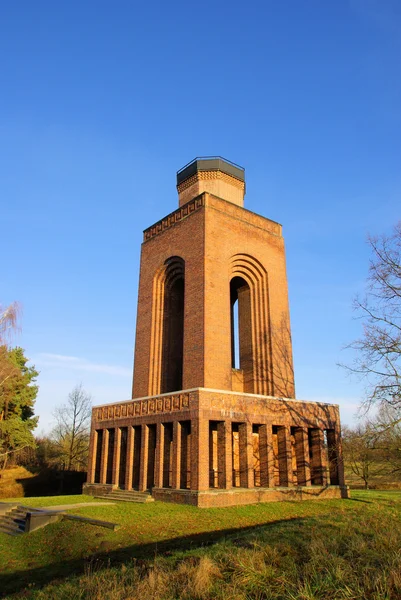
324, 459
225, 454
271, 459
116, 456
332, 452
284, 456
249, 456
246, 455
340, 462
130, 459
143, 472
263, 451
105, 450
92, 456
315, 446
185, 468
176, 478
200, 454
159, 455
302, 455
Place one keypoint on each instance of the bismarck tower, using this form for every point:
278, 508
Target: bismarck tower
213, 419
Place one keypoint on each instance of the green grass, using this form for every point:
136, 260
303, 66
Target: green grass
330, 549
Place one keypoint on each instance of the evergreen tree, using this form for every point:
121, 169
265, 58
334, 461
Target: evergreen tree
17, 398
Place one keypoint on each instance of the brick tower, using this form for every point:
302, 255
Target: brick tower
213, 419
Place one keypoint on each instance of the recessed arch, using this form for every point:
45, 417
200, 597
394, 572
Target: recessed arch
167, 332
246, 273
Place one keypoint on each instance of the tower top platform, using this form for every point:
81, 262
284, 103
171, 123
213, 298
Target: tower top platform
212, 174
210, 163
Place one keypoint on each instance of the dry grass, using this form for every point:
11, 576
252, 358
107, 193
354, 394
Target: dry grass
342, 555
9, 485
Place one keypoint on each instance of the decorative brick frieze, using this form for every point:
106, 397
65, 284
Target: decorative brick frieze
173, 218
157, 405
210, 175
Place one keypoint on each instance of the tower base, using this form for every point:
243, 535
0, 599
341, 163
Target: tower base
216, 448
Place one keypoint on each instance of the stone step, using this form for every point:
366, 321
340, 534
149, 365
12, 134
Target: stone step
17, 515
119, 498
128, 493
11, 532
10, 528
11, 521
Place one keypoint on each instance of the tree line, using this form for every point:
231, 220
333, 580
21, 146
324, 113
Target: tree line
372, 450
66, 447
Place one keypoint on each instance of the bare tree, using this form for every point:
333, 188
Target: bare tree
8, 323
361, 455
386, 429
378, 351
72, 430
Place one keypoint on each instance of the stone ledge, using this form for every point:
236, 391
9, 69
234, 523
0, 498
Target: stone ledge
242, 496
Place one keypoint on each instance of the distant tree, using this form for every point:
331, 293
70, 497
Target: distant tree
378, 351
8, 320
17, 398
72, 430
8, 324
386, 429
361, 455
17, 391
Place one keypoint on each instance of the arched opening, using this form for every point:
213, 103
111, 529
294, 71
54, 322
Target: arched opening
241, 331
173, 326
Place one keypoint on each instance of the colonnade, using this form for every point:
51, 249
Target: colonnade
200, 455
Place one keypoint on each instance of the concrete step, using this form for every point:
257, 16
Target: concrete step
120, 498
14, 532
18, 513
129, 493
10, 528
8, 520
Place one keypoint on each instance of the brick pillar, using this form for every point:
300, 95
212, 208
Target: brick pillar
116, 456
249, 456
302, 456
270, 456
143, 472
263, 452
340, 462
246, 455
92, 456
315, 446
323, 452
159, 460
200, 454
225, 457
129, 464
105, 451
176, 475
284, 456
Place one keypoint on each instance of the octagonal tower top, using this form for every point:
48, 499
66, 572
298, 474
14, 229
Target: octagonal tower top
212, 174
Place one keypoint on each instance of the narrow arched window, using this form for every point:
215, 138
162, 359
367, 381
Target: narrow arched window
173, 326
241, 330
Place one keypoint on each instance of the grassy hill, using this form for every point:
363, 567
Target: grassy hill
330, 549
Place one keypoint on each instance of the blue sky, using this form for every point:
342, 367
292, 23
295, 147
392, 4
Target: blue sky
102, 102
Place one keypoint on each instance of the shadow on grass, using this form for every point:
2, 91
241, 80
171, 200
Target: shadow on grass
35, 578
360, 500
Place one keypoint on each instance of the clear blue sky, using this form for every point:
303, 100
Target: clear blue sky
102, 102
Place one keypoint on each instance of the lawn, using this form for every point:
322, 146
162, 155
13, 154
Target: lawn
309, 550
